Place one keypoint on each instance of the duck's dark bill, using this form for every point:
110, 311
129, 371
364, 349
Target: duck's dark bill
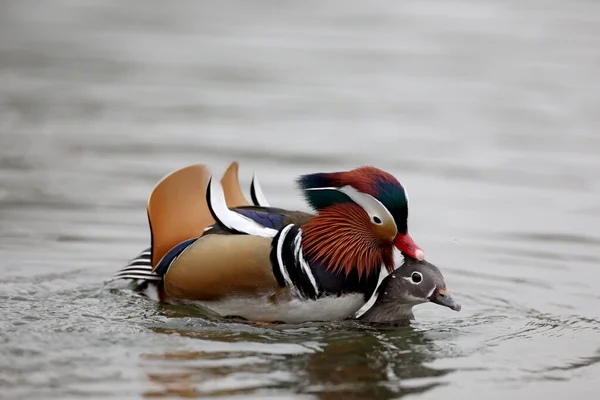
443, 298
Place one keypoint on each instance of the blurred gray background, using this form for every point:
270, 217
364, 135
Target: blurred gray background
487, 111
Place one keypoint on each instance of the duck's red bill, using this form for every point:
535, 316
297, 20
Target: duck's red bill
407, 246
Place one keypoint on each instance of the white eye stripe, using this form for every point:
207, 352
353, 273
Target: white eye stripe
370, 204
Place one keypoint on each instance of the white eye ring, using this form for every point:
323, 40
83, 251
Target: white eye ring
416, 278
376, 220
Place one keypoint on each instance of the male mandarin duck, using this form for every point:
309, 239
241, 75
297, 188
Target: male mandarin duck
210, 246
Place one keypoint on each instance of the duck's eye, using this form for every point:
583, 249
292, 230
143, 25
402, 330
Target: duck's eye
376, 220
416, 277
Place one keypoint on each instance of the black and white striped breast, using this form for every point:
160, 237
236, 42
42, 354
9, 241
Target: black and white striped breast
289, 266
311, 278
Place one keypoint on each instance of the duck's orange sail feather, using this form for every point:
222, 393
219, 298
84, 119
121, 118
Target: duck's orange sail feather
177, 209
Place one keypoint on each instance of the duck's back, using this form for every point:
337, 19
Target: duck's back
269, 217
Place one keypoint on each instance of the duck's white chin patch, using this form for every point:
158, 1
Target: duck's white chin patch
332, 308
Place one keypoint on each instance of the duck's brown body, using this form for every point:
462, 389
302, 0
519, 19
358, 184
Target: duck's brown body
218, 264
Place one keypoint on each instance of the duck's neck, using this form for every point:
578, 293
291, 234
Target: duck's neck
340, 240
387, 312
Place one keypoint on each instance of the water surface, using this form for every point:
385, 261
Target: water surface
487, 111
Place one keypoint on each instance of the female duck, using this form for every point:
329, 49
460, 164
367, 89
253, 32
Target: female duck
415, 282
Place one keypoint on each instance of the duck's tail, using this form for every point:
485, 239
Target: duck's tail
139, 268
139, 273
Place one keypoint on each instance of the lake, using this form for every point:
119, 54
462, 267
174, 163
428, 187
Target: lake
488, 112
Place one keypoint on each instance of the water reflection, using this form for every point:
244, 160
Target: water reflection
196, 374
349, 360
371, 366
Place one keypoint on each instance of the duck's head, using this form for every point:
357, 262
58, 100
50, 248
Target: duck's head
366, 205
415, 282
